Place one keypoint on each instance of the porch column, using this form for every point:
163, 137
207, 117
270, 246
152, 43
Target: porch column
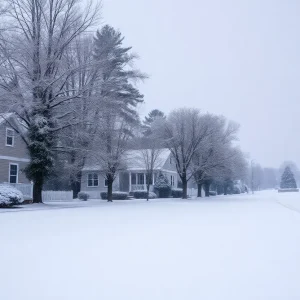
145, 185
129, 181
153, 177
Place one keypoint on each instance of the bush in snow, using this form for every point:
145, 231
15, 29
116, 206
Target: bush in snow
143, 195
212, 193
236, 190
115, 195
287, 179
83, 196
177, 193
162, 188
10, 196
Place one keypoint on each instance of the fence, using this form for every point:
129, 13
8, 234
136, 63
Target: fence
26, 189
192, 192
57, 196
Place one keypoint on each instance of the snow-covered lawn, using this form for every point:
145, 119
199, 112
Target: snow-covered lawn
235, 248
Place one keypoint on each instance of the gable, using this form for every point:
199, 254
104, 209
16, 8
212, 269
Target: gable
19, 148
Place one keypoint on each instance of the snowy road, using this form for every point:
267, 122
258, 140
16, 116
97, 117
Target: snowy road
235, 248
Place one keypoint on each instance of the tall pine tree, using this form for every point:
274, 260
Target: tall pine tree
148, 122
115, 80
287, 179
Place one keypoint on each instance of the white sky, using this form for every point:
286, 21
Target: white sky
236, 58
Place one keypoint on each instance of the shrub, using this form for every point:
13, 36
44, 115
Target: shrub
212, 193
115, 195
143, 195
10, 196
83, 196
236, 190
162, 188
287, 190
177, 193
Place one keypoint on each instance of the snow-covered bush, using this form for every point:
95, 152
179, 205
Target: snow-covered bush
115, 195
143, 195
236, 190
177, 193
10, 196
83, 196
162, 188
212, 193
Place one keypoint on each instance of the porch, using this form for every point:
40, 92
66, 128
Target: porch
133, 181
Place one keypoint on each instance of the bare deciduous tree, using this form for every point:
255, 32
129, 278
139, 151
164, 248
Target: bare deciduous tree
34, 75
184, 130
211, 157
150, 159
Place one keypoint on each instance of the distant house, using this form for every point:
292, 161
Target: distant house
132, 178
13, 155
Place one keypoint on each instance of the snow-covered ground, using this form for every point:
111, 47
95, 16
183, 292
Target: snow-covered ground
235, 247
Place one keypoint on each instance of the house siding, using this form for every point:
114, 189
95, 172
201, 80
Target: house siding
170, 170
19, 149
170, 166
94, 192
4, 171
16, 154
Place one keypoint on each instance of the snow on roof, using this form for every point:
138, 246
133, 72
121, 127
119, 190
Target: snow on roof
133, 160
4, 117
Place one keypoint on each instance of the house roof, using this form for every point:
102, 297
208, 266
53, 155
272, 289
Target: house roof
4, 117
133, 160
13, 121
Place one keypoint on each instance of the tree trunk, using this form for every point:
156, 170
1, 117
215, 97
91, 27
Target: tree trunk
75, 184
37, 192
199, 194
148, 188
184, 186
76, 180
225, 189
109, 189
206, 188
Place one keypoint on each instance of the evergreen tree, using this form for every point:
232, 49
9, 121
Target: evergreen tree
287, 179
152, 116
119, 98
162, 186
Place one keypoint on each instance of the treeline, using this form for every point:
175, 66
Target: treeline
74, 89
269, 178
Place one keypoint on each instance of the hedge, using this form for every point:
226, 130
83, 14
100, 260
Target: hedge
177, 193
115, 195
83, 196
141, 194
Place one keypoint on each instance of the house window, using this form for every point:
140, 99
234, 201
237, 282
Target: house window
172, 180
9, 137
141, 178
105, 182
13, 173
93, 180
171, 161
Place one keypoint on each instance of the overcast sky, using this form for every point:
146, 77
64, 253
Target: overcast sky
236, 58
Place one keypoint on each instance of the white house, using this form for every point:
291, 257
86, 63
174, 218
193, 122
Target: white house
132, 178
